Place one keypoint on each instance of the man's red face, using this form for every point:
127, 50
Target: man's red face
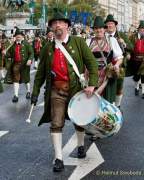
50, 35
59, 27
141, 30
19, 37
111, 27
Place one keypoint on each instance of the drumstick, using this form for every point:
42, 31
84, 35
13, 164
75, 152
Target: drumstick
29, 120
101, 88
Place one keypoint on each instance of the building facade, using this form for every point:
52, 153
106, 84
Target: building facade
127, 12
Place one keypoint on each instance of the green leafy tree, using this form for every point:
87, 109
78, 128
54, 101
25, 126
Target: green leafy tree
3, 12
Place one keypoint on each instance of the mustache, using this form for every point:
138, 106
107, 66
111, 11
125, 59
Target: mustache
58, 32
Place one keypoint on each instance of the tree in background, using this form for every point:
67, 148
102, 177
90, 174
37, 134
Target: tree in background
90, 6
3, 12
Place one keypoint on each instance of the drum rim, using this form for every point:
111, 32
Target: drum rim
69, 106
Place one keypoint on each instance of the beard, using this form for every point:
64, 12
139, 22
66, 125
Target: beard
58, 32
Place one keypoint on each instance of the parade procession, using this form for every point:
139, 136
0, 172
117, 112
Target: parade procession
71, 90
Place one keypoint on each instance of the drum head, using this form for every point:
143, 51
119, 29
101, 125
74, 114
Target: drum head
83, 110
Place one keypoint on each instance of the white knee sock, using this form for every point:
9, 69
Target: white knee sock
80, 138
139, 82
16, 89
36, 64
28, 87
118, 100
2, 73
142, 88
137, 85
57, 142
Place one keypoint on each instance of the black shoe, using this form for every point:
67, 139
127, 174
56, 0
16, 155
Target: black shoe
15, 99
58, 166
136, 92
88, 133
81, 152
142, 96
28, 96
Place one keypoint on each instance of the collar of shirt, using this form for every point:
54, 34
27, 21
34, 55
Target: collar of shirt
18, 42
111, 34
65, 40
139, 36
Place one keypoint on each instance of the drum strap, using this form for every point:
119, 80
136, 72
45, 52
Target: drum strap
82, 79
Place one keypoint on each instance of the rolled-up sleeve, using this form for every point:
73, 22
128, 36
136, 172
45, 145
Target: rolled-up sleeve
117, 52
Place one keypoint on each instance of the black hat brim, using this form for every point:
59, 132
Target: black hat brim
60, 19
97, 27
116, 23
140, 27
18, 34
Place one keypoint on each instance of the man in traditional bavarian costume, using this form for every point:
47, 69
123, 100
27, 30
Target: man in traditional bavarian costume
37, 45
111, 24
49, 37
138, 57
49, 34
109, 56
21, 55
62, 82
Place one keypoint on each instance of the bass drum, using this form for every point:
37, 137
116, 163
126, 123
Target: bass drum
96, 115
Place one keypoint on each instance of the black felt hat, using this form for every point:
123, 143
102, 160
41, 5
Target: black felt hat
18, 32
110, 18
59, 16
99, 22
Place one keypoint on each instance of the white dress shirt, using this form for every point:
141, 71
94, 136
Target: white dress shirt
117, 52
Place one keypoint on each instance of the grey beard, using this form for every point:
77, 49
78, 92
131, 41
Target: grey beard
58, 32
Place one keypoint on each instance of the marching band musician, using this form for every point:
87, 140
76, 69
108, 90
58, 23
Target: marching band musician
20, 54
109, 56
137, 57
111, 25
37, 45
62, 82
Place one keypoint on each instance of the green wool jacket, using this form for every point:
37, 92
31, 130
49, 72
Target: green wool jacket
26, 54
5, 44
129, 46
82, 56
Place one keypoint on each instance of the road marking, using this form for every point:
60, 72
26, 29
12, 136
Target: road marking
2, 133
84, 166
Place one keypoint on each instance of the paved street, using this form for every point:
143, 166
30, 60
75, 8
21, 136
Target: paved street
26, 152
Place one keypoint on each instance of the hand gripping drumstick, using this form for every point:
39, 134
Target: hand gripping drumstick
31, 110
